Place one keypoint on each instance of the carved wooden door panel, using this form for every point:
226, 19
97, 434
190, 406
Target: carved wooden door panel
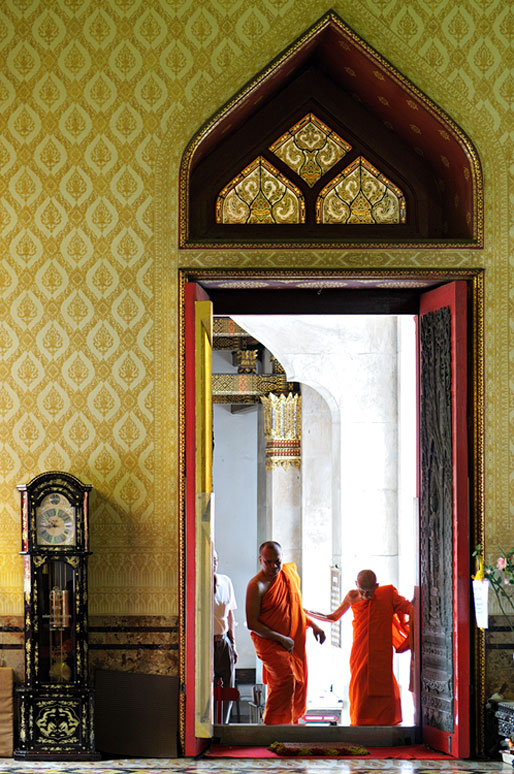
198, 520
444, 520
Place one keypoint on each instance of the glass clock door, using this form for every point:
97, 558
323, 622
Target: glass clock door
57, 631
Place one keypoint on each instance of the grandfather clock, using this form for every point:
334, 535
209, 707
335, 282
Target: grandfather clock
55, 707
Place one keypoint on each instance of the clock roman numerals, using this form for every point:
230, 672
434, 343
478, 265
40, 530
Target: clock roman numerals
55, 521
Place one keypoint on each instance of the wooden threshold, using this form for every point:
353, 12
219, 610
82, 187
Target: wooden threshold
249, 735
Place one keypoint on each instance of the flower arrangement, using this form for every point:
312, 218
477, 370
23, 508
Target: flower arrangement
501, 579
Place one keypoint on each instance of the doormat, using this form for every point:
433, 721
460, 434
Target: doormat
416, 752
318, 750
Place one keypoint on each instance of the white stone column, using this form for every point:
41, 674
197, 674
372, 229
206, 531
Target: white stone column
317, 498
369, 458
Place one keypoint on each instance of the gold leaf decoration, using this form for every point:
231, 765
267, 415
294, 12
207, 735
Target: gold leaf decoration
361, 194
310, 148
260, 194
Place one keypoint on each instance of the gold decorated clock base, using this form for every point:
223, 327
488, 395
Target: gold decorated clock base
55, 724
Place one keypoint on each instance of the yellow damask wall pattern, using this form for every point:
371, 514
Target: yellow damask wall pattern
98, 100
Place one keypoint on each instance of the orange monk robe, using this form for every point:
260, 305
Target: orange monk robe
402, 633
284, 672
374, 692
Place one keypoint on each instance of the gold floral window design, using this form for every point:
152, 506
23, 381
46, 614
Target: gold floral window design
310, 148
260, 194
361, 194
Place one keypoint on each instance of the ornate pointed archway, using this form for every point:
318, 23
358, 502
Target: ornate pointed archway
334, 74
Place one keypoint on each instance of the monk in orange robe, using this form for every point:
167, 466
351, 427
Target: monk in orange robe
277, 622
378, 621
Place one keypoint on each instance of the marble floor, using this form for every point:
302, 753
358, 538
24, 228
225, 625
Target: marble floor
252, 766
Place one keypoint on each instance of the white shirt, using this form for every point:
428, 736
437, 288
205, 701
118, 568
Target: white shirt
224, 601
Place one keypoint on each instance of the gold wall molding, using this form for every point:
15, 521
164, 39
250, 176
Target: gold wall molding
350, 259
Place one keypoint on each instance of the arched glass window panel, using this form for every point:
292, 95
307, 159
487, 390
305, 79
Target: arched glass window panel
310, 148
260, 194
361, 194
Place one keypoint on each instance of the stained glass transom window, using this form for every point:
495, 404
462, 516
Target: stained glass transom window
260, 194
361, 194
310, 148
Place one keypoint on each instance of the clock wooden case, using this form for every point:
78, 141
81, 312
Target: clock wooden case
55, 707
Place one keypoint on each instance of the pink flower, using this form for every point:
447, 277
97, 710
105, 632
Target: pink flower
501, 563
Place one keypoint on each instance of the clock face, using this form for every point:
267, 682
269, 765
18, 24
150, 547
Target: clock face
55, 521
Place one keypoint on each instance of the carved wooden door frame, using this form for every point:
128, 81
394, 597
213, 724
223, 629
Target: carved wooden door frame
394, 279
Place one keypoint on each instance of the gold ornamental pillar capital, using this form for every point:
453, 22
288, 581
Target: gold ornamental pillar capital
282, 429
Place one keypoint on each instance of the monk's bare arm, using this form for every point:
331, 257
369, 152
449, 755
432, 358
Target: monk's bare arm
316, 614
254, 594
348, 601
319, 634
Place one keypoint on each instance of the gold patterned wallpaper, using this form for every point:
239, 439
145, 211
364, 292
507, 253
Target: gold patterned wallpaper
98, 100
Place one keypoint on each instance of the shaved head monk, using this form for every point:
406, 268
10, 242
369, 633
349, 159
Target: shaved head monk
378, 615
277, 623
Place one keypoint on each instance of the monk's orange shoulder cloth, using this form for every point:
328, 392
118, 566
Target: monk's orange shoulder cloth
281, 610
